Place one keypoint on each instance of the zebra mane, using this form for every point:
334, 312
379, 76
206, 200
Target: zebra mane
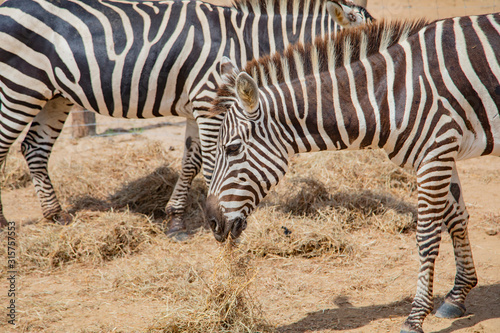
288, 6
323, 54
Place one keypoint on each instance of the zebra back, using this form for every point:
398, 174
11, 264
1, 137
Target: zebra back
142, 59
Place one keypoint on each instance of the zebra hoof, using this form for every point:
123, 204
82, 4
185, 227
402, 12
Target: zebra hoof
179, 236
450, 310
63, 218
176, 230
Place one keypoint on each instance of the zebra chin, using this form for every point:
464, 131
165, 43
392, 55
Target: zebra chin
220, 225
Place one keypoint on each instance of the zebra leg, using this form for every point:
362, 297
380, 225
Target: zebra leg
15, 115
456, 220
36, 148
209, 135
191, 165
433, 187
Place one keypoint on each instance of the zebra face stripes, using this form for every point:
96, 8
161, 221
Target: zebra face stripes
427, 94
134, 59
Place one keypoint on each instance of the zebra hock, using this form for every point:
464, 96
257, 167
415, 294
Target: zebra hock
428, 94
118, 58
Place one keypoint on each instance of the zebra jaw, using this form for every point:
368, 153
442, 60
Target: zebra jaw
220, 225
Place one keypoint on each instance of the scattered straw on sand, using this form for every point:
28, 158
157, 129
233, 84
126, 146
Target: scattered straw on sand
274, 233
91, 238
226, 304
324, 197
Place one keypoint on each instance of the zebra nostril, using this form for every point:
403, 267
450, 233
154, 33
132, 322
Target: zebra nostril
238, 225
212, 222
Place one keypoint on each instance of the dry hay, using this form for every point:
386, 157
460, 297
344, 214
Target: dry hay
274, 233
358, 185
139, 178
91, 238
93, 175
78, 172
327, 195
226, 304
150, 194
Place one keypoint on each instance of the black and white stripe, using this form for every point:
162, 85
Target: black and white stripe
133, 59
427, 94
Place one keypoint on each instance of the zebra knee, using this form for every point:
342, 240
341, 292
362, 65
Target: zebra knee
35, 158
25, 148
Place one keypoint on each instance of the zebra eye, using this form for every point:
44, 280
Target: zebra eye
233, 149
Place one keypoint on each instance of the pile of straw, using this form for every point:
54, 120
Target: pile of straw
324, 197
137, 178
226, 304
360, 186
140, 179
91, 238
273, 233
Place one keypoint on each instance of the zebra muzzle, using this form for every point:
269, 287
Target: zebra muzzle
218, 222
215, 218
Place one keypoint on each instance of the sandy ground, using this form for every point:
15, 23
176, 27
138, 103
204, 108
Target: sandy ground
369, 293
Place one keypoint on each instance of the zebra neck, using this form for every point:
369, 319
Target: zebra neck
336, 110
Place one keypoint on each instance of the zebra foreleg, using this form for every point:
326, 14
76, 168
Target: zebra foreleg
433, 183
36, 148
191, 166
456, 221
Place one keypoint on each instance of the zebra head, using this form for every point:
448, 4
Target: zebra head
347, 14
249, 159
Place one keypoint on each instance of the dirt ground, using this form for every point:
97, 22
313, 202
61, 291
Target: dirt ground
370, 291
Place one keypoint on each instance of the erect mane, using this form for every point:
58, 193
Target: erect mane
323, 54
288, 6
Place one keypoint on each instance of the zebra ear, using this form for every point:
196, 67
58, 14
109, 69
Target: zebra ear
248, 93
346, 13
227, 66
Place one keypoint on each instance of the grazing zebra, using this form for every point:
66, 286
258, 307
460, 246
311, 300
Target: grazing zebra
136, 59
427, 94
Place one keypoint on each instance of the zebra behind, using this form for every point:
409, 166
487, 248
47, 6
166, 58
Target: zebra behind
135, 59
427, 94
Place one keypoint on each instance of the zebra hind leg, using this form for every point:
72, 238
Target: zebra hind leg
15, 115
36, 148
433, 179
456, 220
191, 166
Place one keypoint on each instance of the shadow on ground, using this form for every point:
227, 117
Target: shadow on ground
149, 196
482, 304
